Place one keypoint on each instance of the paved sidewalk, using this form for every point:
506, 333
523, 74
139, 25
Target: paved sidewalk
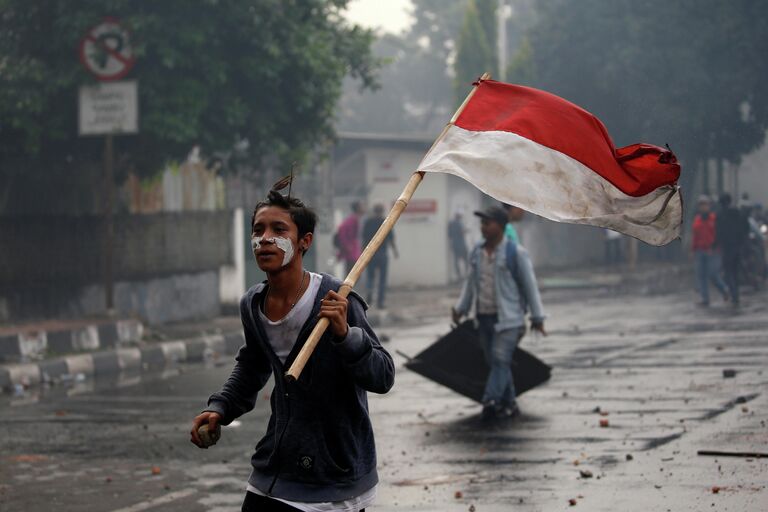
131, 353
37, 340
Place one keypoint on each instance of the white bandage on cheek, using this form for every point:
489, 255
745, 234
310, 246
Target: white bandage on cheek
286, 246
256, 242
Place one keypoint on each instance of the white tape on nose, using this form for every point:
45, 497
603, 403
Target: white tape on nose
280, 242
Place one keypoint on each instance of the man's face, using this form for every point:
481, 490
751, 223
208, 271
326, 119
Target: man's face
704, 207
274, 238
491, 230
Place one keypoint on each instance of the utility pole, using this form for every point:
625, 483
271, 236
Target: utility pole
720, 181
501, 39
632, 251
706, 189
108, 108
109, 222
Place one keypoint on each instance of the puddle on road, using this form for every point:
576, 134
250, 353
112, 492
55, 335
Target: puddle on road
75, 387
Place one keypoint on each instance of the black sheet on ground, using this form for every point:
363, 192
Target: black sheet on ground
456, 361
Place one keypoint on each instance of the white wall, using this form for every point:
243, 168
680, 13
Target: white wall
421, 233
753, 175
232, 277
554, 244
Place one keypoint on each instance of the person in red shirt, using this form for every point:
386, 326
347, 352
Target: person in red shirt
348, 236
706, 257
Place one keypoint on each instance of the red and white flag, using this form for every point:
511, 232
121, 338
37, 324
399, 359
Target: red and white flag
546, 155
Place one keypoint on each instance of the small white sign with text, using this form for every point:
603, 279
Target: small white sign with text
109, 108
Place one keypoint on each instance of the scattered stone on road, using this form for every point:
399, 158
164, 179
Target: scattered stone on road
652, 362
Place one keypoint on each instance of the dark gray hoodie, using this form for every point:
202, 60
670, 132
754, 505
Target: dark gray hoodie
319, 443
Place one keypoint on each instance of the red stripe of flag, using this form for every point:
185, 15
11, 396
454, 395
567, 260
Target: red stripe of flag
562, 126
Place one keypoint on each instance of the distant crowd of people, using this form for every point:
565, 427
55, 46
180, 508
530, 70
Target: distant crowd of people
728, 245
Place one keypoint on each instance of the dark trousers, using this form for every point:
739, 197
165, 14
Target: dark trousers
459, 262
377, 266
731, 260
256, 503
498, 348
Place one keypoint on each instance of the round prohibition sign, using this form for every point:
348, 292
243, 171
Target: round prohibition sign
106, 50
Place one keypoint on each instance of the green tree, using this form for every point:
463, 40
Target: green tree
410, 98
416, 93
487, 12
690, 73
522, 70
210, 72
476, 49
436, 26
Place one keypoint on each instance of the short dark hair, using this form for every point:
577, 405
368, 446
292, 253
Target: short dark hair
303, 216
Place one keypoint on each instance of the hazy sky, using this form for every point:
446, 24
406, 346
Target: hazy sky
388, 15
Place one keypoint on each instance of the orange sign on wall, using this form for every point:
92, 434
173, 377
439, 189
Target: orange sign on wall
421, 206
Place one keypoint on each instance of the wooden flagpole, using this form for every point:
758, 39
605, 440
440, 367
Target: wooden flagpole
376, 242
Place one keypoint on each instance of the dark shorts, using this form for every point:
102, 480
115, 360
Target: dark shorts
256, 503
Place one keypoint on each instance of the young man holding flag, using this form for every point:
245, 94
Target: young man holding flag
318, 453
501, 285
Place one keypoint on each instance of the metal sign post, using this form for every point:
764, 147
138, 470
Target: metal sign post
109, 221
109, 108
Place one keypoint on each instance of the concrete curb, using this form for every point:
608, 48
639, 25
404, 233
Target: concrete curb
108, 362
63, 339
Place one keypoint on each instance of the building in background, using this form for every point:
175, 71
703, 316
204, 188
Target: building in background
375, 168
749, 177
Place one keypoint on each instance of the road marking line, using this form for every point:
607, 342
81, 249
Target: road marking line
162, 500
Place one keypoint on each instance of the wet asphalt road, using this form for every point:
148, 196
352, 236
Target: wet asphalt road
652, 367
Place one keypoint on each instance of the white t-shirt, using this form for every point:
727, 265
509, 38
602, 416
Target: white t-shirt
282, 336
486, 293
283, 333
